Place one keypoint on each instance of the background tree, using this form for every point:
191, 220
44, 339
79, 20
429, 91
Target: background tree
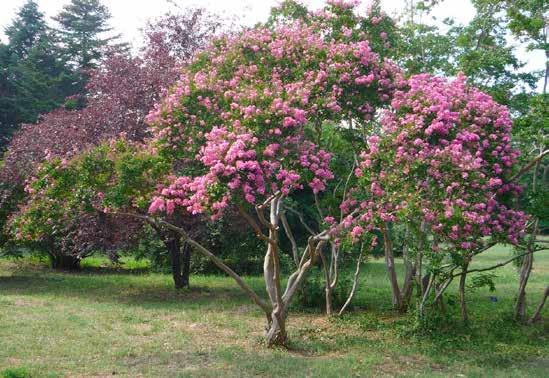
83, 32
528, 21
422, 47
35, 77
120, 93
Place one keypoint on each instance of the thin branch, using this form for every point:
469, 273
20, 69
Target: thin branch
536, 317
475, 253
254, 225
334, 271
346, 187
529, 166
197, 246
318, 208
290, 236
355, 281
300, 216
261, 216
442, 289
426, 294
500, 264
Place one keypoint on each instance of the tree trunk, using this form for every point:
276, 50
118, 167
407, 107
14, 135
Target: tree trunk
424, 282
390, 263
463, 304
276, 334
527, 263
525, 270
407, 286
537, 314
65, 262
186, 268
174, 248
327, 286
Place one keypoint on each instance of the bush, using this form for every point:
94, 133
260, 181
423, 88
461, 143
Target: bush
312, 294
239, 249
15, 373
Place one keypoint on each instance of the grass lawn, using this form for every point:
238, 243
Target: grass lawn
103, 322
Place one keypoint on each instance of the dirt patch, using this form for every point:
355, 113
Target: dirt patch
401, 364
24, 302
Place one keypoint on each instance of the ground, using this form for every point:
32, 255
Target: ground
129, 322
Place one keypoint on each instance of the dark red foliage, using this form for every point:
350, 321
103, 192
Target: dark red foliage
120, 93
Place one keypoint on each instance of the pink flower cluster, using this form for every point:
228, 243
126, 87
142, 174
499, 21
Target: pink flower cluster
442, 158
234, 168
239, 114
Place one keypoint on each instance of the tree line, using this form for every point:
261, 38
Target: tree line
45, 66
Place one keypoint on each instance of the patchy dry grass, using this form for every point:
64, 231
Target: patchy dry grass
100, 323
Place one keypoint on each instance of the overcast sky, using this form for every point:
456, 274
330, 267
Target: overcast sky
128, 16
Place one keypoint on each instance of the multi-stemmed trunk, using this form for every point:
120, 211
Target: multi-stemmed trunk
280, 302
400, 298
277, 306
276, 334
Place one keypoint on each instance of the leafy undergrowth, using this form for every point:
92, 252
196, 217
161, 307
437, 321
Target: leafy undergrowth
126, 321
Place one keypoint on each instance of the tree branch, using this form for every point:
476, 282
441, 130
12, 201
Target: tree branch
500, 264
197, 246
254, 225
529, 166
290, 236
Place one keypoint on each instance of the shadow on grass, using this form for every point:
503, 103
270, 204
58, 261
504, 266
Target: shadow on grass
113, 269
491, 339
121, 287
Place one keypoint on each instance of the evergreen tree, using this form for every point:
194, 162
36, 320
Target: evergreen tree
83, 28
7, 91
34, 76
27, 29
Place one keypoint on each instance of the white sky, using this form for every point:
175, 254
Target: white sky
128, 16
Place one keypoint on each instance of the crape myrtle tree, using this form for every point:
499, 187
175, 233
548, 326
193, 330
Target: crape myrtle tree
120, 93
308, 211
255, 134
441, 163
482, 50
246, 118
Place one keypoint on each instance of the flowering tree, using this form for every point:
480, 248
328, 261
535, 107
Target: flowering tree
66, 210
440, 164
254, 122
245, 120
120, 93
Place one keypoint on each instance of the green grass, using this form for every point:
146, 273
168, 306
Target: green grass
123, 320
